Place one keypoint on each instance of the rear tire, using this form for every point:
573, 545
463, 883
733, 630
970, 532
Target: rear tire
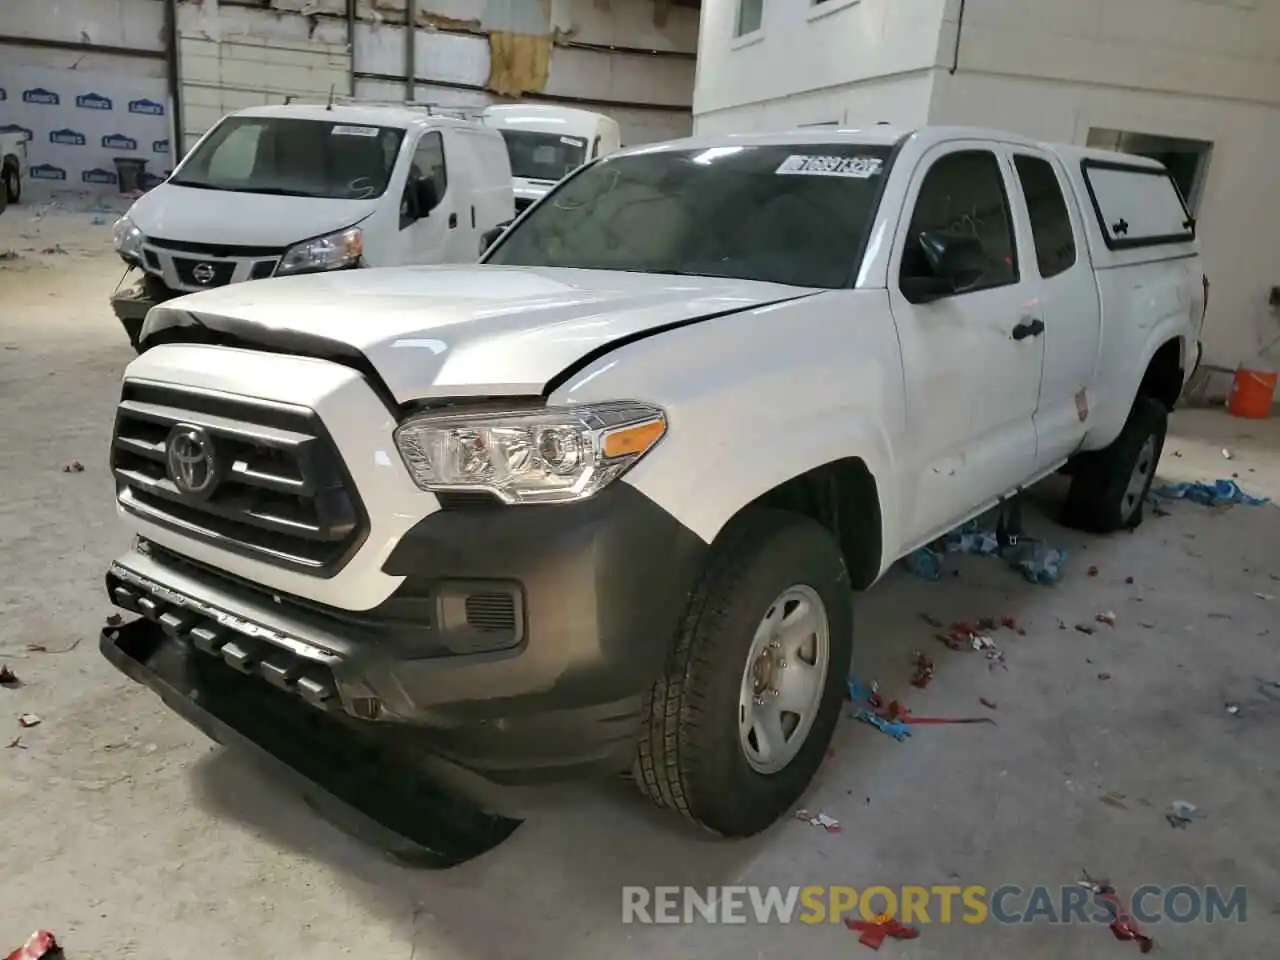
772, 574
12, 185
1109, 487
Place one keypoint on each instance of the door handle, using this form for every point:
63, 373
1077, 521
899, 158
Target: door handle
453, 220
1028, 327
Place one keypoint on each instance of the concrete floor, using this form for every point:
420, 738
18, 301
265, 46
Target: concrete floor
130, 835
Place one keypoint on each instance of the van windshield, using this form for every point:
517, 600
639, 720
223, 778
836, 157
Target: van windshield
797, 214
287, 156
543, 156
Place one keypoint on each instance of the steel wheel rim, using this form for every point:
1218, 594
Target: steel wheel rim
1143, 470
784, 679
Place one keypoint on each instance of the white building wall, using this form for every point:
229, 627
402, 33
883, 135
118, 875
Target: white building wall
1199, 69
852, 61
231, 57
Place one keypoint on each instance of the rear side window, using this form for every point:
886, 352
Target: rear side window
1050, 222
963, 194
1136, 206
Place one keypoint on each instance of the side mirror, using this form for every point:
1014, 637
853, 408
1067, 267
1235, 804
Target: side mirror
958, 259
425, 197
490, 237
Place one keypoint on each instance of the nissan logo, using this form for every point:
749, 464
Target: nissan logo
203, 273
191, 460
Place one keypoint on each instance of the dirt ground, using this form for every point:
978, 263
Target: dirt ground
130, 835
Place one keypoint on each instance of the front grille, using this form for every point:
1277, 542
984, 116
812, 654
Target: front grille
200, 248
277, 488
204, 273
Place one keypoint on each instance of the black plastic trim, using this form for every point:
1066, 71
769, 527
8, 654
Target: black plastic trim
1113, 243
365, 786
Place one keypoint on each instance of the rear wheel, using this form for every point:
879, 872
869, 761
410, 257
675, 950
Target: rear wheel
12, 184
741, 720
1110, 486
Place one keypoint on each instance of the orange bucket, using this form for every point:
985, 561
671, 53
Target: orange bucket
1252, 392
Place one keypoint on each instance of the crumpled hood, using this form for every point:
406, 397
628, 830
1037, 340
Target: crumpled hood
241, 219
454, 331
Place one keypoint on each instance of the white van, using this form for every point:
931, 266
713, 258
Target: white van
545, 143
279, 190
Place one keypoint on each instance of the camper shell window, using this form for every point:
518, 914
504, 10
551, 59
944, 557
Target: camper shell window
1136, 206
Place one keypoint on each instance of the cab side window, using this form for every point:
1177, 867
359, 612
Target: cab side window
595, 149
963, 196
1050, 222
427, 164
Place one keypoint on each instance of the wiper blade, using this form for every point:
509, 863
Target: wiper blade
274, 191
198, 185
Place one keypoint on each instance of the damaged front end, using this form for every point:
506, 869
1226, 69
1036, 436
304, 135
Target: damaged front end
244, 684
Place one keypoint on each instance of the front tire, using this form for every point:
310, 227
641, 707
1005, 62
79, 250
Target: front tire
741, 720
1110, 486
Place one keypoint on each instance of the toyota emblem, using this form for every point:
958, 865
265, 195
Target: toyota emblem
203, 273
191, 461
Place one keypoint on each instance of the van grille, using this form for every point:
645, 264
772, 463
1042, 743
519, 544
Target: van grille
257, 478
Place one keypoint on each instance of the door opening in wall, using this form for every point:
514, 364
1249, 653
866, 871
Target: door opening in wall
1187, 160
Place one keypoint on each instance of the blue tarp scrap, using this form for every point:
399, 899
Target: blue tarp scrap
1215, 494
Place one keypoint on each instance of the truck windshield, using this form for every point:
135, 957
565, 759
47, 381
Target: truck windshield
543, 156
796, 214
292, 157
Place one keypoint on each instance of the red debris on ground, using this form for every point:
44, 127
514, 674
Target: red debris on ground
924, 670
1093, 571
8, 678
875, 932
1128, 580
1123, 926
114, 620
39, 945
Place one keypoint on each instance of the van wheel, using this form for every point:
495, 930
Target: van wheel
12, 185
741, 720
1110, 486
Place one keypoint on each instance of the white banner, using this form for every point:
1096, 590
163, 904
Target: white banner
77, 124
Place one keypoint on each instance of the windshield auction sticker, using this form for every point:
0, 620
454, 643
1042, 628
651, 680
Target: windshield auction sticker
860, 168
349, 131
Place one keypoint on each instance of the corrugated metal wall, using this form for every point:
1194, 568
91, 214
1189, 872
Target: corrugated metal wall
621, 57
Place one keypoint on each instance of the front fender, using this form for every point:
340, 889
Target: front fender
758, 398
737, 474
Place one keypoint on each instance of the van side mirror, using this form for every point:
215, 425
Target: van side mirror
490, 237
425, 197
957, 263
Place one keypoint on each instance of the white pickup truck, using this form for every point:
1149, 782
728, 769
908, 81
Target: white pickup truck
602, 502
13, 158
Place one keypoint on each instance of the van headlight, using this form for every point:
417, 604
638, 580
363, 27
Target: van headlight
330, 252
547, 455
127, 240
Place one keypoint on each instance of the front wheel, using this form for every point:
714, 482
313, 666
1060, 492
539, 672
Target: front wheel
1110, 486
740, 722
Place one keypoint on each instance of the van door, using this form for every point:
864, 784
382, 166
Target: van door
972, 358
1069, 302
425, 237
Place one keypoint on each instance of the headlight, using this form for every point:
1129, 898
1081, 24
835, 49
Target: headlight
332, 252
127, 239
549, 455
